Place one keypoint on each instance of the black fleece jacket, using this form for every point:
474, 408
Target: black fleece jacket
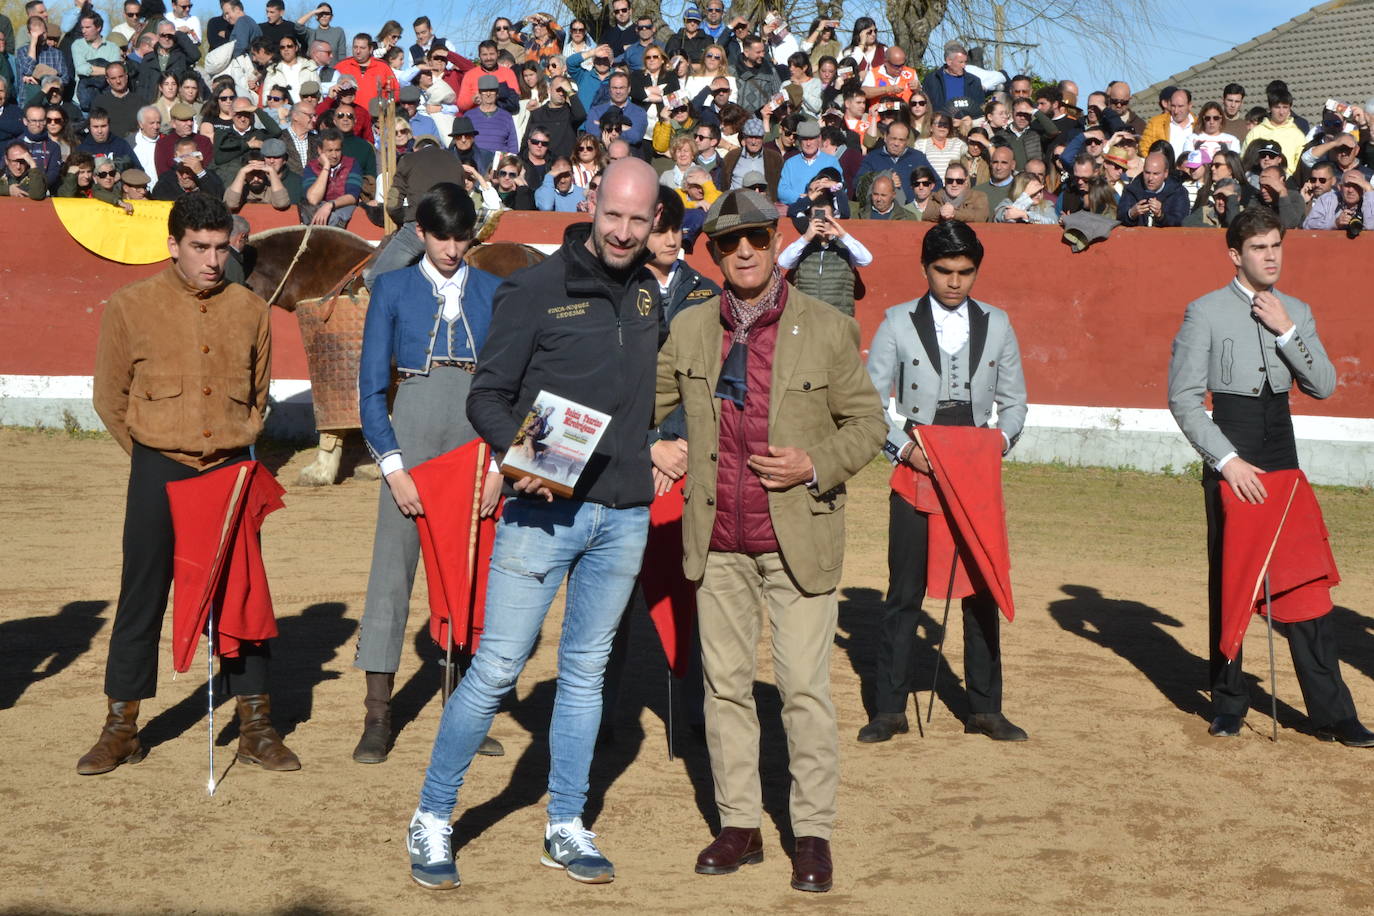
571, 327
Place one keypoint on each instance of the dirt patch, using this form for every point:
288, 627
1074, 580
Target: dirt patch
1119, 803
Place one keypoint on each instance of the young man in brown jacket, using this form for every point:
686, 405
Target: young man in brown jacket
181, 377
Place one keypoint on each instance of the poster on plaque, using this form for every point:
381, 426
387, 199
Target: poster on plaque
555, 442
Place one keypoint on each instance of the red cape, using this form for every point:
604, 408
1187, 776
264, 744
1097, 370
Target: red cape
967, 520
217, 559
671, 598
455, 543
1285, 536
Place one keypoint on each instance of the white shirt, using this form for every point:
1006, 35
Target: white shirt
1281, 340
450, 289
860, 255
1179, 134
144, 151
189, 22
951, 326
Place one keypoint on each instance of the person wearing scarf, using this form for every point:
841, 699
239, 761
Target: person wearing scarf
780, 413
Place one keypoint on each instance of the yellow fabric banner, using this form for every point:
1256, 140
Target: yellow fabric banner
128, 238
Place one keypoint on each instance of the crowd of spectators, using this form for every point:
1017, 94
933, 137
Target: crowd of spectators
831, 126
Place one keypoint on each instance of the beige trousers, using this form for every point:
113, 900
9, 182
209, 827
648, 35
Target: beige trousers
735, 592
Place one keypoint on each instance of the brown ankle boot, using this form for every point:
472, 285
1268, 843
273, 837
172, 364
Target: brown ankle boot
118, 742
373, 745
258, 741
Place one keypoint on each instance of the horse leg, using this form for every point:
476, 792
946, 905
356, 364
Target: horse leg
324, 470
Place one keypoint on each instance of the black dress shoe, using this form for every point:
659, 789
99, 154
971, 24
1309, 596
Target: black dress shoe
995, 726
883, 726
1348, 732
732, 847
1225, 726
811, 868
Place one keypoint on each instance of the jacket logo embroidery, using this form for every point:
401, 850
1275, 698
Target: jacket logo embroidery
571, 310
644, 302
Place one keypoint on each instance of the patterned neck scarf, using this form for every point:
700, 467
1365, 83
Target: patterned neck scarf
744, 315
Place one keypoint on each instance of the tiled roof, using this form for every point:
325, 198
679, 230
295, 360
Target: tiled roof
1324, 53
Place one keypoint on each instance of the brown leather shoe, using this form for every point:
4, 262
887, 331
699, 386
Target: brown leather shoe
258, 741
374, 745
811, 868
118, 741
732, 847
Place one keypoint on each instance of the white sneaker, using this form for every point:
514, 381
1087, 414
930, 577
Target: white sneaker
429, 840
569, 846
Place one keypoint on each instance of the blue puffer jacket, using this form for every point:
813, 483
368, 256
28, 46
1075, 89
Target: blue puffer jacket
404, 321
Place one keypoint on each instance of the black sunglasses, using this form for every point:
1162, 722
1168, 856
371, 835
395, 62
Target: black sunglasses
109, 174
759, 238
506, 173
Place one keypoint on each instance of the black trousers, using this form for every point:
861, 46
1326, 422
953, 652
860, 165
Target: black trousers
1311, 642
907, 543
146, 580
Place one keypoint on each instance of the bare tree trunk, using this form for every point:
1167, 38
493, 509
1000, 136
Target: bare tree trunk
912, 22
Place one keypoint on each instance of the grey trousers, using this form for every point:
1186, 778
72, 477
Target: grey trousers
403, 250
430, 418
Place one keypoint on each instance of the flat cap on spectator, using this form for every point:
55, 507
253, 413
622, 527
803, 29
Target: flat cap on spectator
117, 39
462, 127
1269, 147
1197, 159
808, 129
274, 147
309, 87
753, 179
409, 94
486, 82
692, 12
739, 209
1117, 155
42, 70
54, 30
136, 178
183, 112
752, 128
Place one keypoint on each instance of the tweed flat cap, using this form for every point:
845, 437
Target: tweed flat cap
739, 209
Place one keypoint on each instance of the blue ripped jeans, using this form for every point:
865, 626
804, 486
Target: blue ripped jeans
600, 550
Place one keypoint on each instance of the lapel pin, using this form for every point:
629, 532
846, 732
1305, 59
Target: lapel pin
794, 329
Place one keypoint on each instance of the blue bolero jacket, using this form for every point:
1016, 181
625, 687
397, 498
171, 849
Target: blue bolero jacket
404, 321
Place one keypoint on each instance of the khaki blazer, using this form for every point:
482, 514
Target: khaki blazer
821, 400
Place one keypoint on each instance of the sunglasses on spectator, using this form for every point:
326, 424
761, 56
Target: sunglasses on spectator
507, 173
919, 103
956, 181
227, 98
534, 142
1094, 141
57, 120
343, 116
645, 27
759, 238
1211, 117
1022, 114
761, 188
653, 57
1118, 103
713, 57
110, 173
923, 183
703, 138
502, 28
577, 28
276, 98
620, 9
243, 114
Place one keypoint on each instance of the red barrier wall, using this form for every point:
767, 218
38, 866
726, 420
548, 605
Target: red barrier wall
1094, 328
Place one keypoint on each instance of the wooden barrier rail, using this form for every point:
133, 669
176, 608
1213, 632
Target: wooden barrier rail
1094, 328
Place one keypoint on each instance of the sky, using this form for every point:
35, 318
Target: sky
1189, 33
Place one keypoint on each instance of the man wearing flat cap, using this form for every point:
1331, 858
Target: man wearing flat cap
465, 148
780, 414
797, 171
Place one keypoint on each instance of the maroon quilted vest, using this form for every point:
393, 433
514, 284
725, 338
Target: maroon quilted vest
742, 523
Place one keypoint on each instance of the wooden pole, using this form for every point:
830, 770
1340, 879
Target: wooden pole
388, 169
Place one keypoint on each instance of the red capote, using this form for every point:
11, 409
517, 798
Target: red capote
217, 559
966, 517
671, 598
455, 543
1285, 536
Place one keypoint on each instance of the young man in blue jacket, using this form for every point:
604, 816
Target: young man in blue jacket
428, 320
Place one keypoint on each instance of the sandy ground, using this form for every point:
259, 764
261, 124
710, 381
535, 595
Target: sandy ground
1119, 803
